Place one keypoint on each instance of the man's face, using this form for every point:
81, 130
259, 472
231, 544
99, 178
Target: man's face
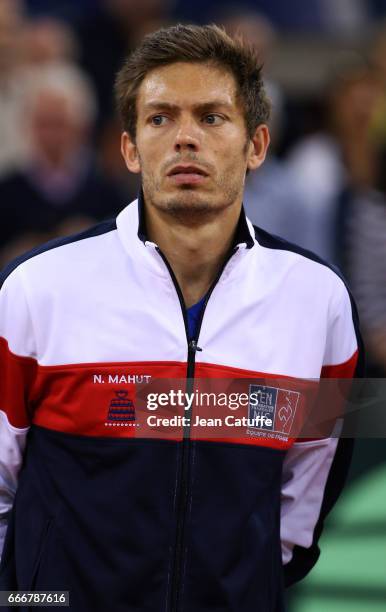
191, 147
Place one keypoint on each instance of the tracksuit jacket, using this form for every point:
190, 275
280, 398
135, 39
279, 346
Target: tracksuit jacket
129, 523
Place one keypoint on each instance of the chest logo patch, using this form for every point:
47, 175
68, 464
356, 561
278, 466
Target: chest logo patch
273, 408
121, 408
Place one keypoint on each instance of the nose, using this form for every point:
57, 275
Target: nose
187, 137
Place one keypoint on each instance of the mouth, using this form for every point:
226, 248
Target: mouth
187, 174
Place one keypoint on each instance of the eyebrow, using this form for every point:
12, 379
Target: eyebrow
201, 107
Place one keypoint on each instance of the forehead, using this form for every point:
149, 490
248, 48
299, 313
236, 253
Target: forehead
186, 84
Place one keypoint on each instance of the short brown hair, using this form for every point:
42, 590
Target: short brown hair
194, 44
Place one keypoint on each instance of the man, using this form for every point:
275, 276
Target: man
182, 286
61, 177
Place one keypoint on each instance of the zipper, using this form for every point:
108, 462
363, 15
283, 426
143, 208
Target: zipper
183, 485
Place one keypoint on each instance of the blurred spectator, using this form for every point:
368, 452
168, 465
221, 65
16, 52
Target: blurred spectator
12, 86
378, 59
61, 178
365, 266
47, 40
340, 174
342, 157
259, 32
271, 199
273, 202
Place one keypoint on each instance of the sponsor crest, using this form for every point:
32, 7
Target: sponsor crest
121, 408
273, 408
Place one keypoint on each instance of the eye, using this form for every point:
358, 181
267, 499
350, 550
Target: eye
158, 120
213, 119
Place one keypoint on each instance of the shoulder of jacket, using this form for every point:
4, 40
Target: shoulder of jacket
317, 265
53, 246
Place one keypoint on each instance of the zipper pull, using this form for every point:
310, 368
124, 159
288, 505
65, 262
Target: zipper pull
193, 348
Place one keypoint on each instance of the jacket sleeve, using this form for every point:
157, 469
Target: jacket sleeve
314, 471
17, 371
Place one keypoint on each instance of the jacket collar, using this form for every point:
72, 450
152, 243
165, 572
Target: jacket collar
244, 231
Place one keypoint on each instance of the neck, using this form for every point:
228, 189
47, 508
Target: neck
195, 253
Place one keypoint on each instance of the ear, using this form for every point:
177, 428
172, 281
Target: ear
130, 153
258, 147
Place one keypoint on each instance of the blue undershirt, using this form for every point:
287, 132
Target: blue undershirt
194, 314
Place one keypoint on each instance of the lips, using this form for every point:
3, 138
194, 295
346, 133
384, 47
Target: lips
181, 169
187, 175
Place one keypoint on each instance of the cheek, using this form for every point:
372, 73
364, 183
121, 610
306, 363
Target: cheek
235, 158
150, 152
230, 145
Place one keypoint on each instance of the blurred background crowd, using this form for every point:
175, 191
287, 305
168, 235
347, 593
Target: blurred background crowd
323, 185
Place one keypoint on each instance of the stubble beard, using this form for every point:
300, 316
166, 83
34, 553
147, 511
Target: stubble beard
190, 207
